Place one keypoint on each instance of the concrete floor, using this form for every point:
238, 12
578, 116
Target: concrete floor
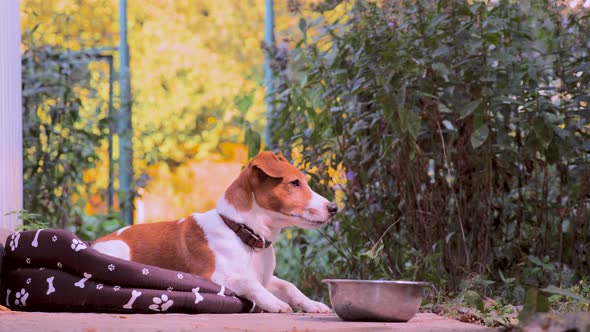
89, 322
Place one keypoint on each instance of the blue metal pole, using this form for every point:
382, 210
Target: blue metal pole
124, 122
110, 187
269, 40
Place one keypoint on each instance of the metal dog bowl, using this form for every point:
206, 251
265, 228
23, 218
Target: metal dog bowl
375, 300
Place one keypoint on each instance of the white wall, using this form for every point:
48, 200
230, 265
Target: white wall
11, 160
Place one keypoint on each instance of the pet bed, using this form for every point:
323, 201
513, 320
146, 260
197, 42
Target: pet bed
53, 270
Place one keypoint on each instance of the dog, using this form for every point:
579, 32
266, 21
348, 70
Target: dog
231, 245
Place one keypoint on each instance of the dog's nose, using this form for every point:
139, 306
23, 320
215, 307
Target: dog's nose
332, 209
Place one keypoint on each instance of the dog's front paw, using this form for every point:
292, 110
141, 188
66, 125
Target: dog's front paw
274, 305
315, 307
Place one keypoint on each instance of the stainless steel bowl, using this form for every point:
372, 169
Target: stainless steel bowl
375, 300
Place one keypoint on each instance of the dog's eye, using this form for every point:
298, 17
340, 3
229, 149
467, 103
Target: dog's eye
295, 183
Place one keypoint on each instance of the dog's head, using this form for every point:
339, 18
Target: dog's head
269, 183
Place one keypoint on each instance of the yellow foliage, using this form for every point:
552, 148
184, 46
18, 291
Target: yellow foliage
189, 62
193, 187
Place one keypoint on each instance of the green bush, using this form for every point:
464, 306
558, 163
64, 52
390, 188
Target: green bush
61, 136
463, 131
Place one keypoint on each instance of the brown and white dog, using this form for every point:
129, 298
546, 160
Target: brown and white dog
230, 245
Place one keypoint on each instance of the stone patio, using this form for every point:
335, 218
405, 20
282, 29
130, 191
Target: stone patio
13, 321
87, 322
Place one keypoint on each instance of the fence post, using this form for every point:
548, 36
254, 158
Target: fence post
112, 129
269, 41
11, 122
124, 121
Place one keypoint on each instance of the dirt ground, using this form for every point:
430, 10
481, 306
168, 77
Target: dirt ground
89, 322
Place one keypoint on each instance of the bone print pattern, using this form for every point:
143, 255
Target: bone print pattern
64, 274
134, 295
7, 302
198, 297
82, 282
50, 288
35, 242
221, 291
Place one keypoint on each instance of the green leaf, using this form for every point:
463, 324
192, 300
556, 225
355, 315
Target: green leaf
552, 154
542, 131
479, 136
403, 119
469, 109
412, 150
303, 25
564, 292
414, 123
253, 142
359, 125
244, 102
441, 69
534, 302
535, 260
473, 299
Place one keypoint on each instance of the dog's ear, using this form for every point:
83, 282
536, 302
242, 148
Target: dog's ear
270, 164
281, 157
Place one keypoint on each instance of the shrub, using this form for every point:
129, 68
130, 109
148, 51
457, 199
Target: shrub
60, 135
462, 130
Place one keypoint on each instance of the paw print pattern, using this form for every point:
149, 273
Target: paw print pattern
28, 281
14, 241
78, 245
161, 303
54, 238
59, 264
169, 289
145, 272
116, 288
180, 276
99, 286
21, 298
111, 267
28, 260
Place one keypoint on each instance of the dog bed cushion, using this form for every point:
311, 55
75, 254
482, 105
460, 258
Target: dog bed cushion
53, 270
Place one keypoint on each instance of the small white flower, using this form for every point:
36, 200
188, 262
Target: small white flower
41, 268
99, 286
28, 260
170, 289
116, 288
54, 238
111, 267
28, 281
59, 265
145, 272
180, 276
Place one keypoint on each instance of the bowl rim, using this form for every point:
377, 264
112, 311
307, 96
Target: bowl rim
361, 281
